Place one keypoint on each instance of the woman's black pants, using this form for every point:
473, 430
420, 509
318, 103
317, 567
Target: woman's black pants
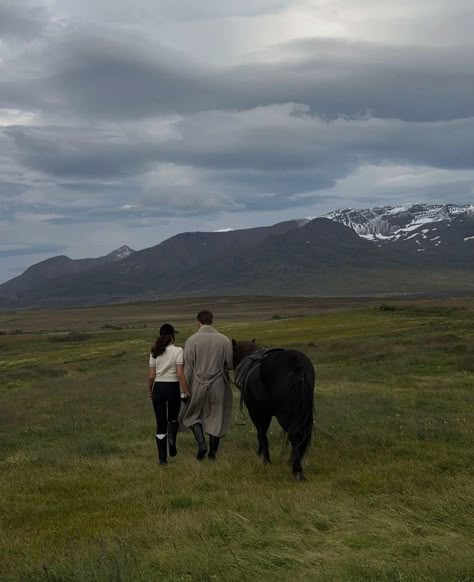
166, 403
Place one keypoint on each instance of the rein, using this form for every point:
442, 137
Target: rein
241, 416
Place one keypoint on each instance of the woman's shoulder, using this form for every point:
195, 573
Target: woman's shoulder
172, 349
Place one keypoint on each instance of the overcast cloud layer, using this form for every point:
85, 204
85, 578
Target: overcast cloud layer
126, 122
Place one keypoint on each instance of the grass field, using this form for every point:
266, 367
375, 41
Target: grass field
389, 495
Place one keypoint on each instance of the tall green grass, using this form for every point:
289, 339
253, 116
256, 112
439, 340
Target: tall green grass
390, 478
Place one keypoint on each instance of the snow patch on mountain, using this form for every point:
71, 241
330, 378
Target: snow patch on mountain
398, 223
121, 253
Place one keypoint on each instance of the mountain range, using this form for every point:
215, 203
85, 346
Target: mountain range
417, 248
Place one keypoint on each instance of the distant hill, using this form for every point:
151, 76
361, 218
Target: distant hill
43, 273
415, 248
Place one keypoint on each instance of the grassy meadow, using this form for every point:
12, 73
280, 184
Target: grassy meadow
390, 492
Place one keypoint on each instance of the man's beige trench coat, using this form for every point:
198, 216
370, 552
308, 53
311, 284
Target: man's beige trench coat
207, 361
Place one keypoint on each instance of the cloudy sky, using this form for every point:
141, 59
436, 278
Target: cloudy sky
128, 121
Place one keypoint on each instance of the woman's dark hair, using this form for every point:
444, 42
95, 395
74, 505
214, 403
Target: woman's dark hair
160, 345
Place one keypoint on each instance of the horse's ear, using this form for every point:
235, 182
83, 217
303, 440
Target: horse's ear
253, 341
234, 343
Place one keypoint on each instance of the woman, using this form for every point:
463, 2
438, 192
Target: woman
166, 386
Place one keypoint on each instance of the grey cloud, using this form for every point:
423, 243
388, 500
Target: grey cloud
214, 9
289, 137
126, 78
460, 192
80, 218
32, 250
402, 85
187, 11
268, 147
71, 152
337, 78
321, 152
22, 19
10, 189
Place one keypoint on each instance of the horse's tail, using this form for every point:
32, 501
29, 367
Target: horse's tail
301, 407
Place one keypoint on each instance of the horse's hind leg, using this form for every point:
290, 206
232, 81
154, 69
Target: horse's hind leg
299, 447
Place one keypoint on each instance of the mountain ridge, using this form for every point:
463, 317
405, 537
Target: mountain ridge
426, 247
394, 222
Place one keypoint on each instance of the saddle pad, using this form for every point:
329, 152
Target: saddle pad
249, 364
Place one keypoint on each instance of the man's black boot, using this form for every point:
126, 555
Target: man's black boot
172, 434
201, 441
213, 446
162, 446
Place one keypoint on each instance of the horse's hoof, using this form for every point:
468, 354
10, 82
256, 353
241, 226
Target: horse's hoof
267, 461
299, 476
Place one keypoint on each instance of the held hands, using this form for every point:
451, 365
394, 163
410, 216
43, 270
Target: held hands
185, 396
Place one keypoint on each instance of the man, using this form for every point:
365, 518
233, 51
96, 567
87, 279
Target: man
207, 361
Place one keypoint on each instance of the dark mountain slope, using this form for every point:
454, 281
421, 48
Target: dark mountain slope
318, 257
323, 258
291, 263
143, 274
43, 273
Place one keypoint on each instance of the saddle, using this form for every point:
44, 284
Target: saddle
248, 365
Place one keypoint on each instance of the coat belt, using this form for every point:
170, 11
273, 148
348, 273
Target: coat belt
206, 381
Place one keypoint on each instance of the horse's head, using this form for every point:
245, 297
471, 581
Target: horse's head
242, 350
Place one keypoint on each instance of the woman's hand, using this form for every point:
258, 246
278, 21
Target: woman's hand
183, 385
151, 381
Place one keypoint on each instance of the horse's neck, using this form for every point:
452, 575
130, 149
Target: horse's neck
248, 352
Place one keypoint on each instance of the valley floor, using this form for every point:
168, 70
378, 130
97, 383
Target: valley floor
390, 473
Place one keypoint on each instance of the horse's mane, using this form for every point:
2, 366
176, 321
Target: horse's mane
243, 349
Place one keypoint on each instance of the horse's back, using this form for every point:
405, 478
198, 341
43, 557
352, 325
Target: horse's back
285, 363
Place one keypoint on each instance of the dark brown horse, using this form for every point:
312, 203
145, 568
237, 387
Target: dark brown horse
280, 383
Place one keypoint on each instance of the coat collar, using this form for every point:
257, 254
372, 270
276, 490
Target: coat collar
207, 329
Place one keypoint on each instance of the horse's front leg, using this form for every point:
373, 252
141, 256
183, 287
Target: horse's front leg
261, 420
263, 444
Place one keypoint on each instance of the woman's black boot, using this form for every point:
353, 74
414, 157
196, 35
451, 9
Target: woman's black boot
213, 446
162, 446
201, 441
172, 434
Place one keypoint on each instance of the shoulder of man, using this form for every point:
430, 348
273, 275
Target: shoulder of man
223, 337
191, 339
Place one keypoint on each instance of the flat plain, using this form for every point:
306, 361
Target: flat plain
389, 494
